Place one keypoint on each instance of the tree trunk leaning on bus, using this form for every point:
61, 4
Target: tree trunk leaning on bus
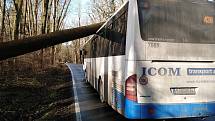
27, 45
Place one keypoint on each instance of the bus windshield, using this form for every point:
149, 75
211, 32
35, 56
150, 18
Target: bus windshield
180, 21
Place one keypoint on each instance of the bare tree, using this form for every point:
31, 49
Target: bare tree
18, 7
101, 10
36, 16
58, 18
3, 21
44, 25
24, 18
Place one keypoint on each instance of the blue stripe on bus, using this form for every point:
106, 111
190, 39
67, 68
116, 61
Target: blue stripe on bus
134, 110
118, 101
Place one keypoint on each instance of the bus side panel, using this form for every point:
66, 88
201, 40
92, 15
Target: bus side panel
101, 71
132, 110
87, 70
116, 73
111, 86
111, 70
91, 71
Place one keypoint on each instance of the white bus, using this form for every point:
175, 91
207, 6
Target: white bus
154, 59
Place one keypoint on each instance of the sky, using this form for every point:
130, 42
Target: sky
71, 20
72, 17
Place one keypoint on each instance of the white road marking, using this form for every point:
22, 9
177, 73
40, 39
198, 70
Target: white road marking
77, 107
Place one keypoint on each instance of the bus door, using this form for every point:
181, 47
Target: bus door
93, 70
106, 80
88, 72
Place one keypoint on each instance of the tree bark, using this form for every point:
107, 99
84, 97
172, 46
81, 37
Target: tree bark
2, 30
3, 21
25, 18
18, 6
36, 17
26, 45
44, 24
54, 29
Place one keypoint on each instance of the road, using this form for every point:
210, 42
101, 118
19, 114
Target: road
88, 106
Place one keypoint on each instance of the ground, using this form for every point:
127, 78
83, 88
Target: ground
40, 96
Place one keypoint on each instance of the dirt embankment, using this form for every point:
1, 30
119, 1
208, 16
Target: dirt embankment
37, 96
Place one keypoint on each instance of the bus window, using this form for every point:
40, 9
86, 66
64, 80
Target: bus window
181, 21
113, 36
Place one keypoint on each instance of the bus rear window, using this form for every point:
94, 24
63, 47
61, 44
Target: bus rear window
181, 21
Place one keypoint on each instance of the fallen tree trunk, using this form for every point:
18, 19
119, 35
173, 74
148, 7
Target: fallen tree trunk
30, 44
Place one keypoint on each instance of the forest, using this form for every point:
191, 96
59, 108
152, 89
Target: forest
36, 86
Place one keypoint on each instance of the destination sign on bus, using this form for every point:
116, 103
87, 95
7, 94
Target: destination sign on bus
200, 71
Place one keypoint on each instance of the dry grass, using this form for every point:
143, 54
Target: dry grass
42, 96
